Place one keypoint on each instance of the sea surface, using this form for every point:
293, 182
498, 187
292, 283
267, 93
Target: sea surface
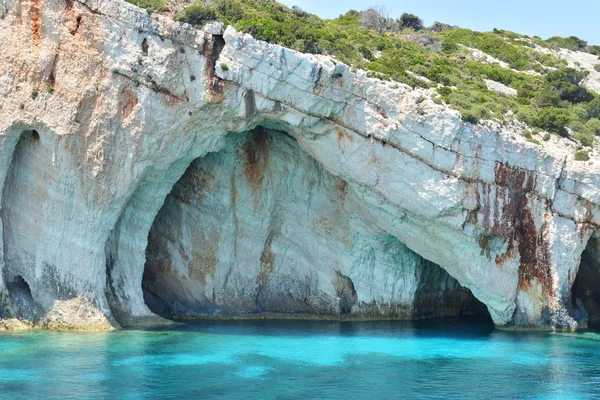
447, 359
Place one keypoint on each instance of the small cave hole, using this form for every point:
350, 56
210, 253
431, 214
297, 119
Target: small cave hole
35, 136
19, 288
145, 47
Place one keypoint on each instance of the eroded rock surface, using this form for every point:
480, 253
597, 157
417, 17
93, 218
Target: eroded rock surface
135, 99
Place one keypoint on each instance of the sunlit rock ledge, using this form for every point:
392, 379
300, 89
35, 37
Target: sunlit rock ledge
268, 181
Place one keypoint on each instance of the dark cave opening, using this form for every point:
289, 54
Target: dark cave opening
35, 136
21, 299
585, 292
261, 228
19, 287
440, 295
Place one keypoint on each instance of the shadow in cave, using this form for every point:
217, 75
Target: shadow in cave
585, 292
262, 229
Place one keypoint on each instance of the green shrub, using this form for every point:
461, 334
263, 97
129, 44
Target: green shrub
526, 115
578, 127
582, 155
553, 119
50, 89
224, 67
232, 11
571, 43
444, 91
152, 6
586, 139
449, 46
366, 53
470, 116
594, 126
593, 108
566, 83
551, 61
198, 14
546, 98
597, 67
34, 93
493, 44
546, 137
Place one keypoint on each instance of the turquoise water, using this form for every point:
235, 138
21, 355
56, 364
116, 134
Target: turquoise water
302, 360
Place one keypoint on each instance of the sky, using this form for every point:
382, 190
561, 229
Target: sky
542, 18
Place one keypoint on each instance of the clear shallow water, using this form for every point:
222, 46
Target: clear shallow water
302, 360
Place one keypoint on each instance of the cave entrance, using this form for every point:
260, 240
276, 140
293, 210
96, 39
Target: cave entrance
24, 189
585, 292
262, 228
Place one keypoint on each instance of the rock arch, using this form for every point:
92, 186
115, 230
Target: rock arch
260, 227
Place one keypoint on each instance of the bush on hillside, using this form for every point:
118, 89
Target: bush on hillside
594, 126
410, 21
582, 155
553, 119
198, 14
152, 6
566, 83
571, 43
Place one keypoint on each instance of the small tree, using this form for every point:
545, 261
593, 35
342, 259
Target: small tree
566, 82
376, 17
410, 21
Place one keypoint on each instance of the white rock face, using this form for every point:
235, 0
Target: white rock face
86, 168
585, 62
500, 88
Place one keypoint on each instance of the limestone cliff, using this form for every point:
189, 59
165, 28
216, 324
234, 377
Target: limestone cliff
370, 199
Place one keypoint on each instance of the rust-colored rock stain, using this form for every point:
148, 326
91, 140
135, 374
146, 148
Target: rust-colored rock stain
257, 159
35, 14
205, 256
128, 100
517, 225
342, 190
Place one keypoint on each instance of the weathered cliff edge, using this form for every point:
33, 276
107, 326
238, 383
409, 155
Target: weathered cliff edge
103, 108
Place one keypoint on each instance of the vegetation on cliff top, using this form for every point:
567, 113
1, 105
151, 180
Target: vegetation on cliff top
550, 95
